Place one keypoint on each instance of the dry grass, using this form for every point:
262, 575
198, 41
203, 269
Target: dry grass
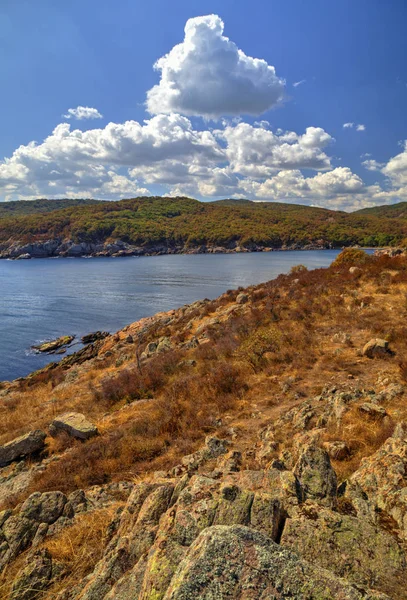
76, 550
79, 547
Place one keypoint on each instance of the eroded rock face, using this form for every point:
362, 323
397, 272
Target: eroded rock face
25, 445
75, 424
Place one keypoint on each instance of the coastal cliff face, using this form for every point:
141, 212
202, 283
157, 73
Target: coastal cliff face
250, 447
68, 248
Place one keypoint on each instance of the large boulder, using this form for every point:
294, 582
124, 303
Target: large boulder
241, 564
316, 475
75, 424
29, 443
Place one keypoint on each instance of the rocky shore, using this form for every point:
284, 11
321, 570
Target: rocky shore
118, 248
252, 447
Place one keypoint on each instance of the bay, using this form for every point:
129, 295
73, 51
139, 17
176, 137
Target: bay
41, 299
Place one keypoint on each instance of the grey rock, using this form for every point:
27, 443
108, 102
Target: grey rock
75, 424
316, 475
44, 508
29, 443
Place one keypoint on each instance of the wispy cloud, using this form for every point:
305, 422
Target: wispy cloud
83, 112
350, 125
297, 83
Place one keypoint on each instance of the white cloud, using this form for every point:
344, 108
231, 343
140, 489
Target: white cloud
208, 75
297, 83
293, 184
359, 127
258, 152
67, 161
396, 168
372, 165
83, 112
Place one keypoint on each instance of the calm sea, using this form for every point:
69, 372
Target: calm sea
41, 299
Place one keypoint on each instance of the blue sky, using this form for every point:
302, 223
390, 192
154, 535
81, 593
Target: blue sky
351, 57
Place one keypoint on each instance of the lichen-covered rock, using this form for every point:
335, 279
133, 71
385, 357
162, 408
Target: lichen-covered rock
135, 536
241, 564
25, 445
44, 508
378, 489
34, 578
75, 424
16, 535
316, 475
350, 547
52, 346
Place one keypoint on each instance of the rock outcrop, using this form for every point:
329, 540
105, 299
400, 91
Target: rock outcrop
376, 348
25, 445
75, 424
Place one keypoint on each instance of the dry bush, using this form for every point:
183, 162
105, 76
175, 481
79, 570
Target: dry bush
351, 257
134, 383
363, 436
297, 269
257, 345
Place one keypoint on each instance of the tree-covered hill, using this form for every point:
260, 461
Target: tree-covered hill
392, 211
29, 207
186, 222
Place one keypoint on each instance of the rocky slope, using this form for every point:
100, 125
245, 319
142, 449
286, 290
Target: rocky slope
252, 447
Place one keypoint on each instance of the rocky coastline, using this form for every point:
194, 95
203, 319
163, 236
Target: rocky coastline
118, 248
253, 446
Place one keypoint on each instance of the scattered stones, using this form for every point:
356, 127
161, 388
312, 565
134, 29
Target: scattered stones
25, 445
75, 424
355, 270
376, 348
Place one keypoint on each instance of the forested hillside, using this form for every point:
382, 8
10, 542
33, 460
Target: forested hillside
189, 223
29, 207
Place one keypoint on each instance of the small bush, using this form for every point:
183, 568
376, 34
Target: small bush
296, 269
351, 257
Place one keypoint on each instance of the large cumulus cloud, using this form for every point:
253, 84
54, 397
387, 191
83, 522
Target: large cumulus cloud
207, 75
